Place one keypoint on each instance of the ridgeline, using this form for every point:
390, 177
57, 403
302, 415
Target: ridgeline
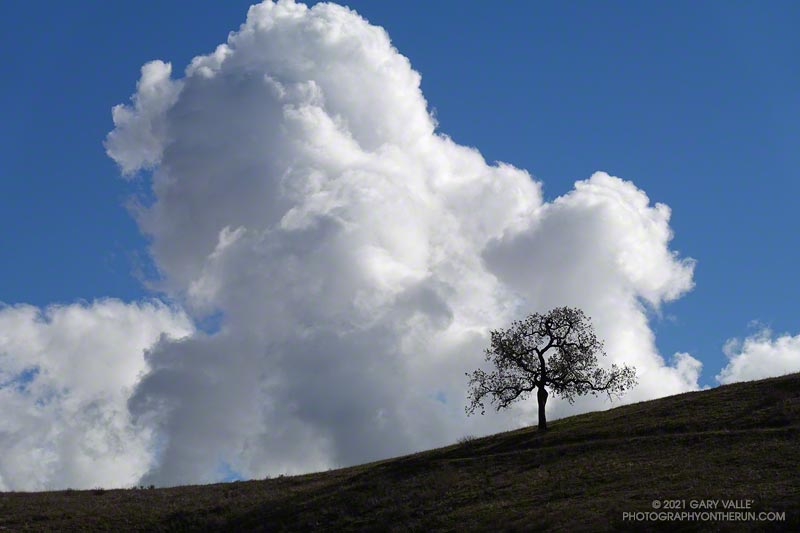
736, 445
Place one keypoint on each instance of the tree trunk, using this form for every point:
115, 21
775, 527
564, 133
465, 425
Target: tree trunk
542, 395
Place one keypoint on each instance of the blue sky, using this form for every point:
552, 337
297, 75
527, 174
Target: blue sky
342, 262
697, 103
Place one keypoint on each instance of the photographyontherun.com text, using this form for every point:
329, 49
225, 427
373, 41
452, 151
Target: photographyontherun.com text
703, 510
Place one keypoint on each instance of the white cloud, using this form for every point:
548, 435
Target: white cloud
760, 356
140, 131
66, 373
358, 256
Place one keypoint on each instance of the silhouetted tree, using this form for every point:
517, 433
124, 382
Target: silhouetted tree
556, 351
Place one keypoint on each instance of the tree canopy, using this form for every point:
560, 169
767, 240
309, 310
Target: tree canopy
558, 351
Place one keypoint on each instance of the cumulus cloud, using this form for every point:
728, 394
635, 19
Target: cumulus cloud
357, 257
760, 356
66, 373
139, 135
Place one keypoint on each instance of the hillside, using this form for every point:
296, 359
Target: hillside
735, 442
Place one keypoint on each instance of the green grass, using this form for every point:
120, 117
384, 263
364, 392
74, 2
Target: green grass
734, 442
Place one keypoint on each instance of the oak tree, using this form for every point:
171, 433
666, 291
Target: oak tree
556, 351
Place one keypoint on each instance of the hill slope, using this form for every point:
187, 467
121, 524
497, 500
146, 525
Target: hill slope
735, 442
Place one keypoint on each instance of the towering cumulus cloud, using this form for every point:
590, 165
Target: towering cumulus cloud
357, 256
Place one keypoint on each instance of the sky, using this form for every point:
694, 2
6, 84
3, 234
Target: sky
289, 241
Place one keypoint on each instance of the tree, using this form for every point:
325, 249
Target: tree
557, 351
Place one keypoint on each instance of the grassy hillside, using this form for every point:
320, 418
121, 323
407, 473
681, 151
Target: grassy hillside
736, 442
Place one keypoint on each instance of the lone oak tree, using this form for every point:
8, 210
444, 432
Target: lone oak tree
557, 351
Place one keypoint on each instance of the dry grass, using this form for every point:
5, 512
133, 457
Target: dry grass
733, 442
